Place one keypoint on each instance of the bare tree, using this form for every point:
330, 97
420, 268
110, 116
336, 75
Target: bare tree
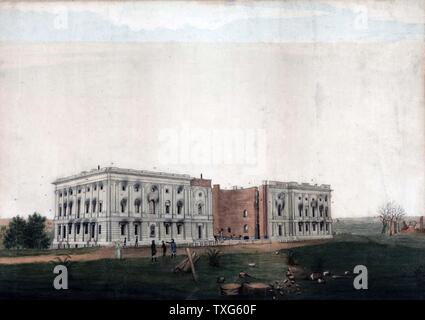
390, 215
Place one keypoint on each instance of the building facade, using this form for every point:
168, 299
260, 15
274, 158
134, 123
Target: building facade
280, 211
296, 211
109, 205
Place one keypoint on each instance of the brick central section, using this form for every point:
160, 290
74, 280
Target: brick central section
236, 212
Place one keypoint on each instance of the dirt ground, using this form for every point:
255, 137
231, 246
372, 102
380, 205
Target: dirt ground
108, 252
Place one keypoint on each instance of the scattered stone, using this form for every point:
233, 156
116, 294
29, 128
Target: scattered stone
220, 280
320, 280
315, 276
347, 273
244, 275
326, 273
251, 264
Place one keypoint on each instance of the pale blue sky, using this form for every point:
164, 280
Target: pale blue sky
179, 21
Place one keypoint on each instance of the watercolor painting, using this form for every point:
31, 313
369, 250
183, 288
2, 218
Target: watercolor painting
212, 150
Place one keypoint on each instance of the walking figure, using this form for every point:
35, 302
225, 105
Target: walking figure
173, 248
153, 251
136, 244
125, 242
164, 249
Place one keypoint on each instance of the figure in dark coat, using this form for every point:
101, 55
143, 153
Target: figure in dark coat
153, 251
164, 249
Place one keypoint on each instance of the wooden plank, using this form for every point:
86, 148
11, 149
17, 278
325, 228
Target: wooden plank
189, 255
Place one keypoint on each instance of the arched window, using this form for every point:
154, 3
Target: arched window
64, 209
199, 232
245, 213
100, 206
326, 211
179, 207
136, 187
280, 230
321, 226
93, 205
87, 206
78, 207
167, 229
200, 208
167, 207
321, 210
245, 228
179, 229
279, 209
60, 210
137, 203
300, 209
300, 226
152, 231
123, 205
70, 208
152, 207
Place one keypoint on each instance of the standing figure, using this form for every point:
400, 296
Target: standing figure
173, 247
125, 242
164, 249
153, 251
136, 243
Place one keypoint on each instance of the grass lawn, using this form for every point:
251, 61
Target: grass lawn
35, 252
391, 265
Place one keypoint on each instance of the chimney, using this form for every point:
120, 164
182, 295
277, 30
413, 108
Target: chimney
201, 176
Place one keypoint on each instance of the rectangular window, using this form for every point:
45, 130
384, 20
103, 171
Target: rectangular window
99, 228
280, 231
69, 228
300, 227
123, 229
314, 227
77, 227
136, 229
86, 229
59, 230
306, 227
179, 229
